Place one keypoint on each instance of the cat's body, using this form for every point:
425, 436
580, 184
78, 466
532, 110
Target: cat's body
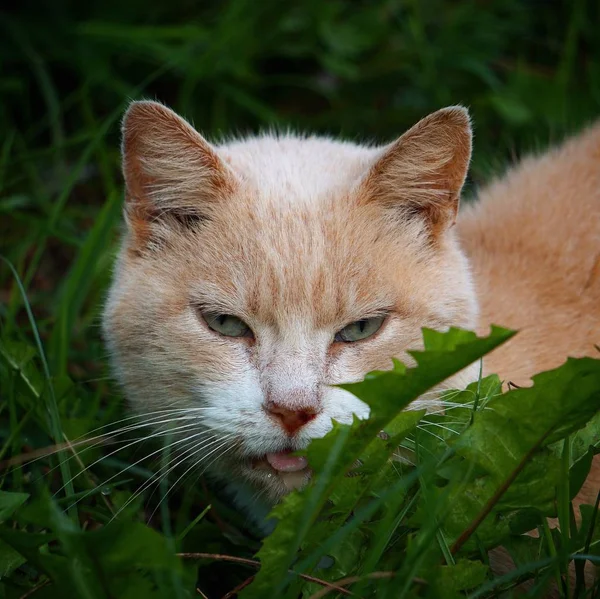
533, 241
256, 274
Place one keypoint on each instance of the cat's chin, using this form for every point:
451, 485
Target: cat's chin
255, 487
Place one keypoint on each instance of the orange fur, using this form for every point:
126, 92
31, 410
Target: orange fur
533, 239
299, 237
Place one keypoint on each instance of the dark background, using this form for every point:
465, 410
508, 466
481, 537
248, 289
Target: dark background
529, 71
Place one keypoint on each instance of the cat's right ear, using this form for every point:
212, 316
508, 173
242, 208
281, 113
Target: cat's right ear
421, 174
173, 176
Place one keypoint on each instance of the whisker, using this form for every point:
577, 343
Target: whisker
432, 434
170, 466
451, 406
424, 422
133, 442
104, 439
440, 426
149, 416
157, 476
134, 464
194, 465
41, 454
119, 473
83, 440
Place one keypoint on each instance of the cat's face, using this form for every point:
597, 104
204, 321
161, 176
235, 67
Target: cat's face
257, 274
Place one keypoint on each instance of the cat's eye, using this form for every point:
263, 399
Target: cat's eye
361, 329
227, 324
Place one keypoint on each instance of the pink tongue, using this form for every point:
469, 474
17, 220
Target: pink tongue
284, 462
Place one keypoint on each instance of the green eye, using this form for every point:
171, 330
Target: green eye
361, 329
226, 324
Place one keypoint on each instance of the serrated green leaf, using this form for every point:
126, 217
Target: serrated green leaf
559, 402
333, 456
507, 441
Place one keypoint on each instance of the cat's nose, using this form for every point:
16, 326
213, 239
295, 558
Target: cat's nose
291, 420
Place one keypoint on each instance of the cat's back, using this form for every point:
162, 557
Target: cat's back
533, 238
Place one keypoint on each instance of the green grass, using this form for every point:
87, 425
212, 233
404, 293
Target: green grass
528, 71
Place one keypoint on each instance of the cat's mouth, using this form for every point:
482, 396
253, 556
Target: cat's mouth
293, 471
283, 461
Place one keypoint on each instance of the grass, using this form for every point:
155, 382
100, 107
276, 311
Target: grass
528, 71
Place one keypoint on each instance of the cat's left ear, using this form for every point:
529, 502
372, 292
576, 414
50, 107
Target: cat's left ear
173, 176
421, 174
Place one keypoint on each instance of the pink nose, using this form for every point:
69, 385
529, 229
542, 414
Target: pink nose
290, 420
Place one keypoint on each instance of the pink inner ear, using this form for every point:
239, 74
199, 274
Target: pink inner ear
169, 168
423, 172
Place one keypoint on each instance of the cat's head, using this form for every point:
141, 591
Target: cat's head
256, 274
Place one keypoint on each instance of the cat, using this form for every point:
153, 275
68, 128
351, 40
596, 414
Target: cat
256, 273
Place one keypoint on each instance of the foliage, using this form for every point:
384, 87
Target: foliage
496, 461
408, 522
90, 519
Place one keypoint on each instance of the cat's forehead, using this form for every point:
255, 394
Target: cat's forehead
327, 262
297, 169
278, 289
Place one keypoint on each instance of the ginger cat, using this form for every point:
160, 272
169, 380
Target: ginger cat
255, 274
